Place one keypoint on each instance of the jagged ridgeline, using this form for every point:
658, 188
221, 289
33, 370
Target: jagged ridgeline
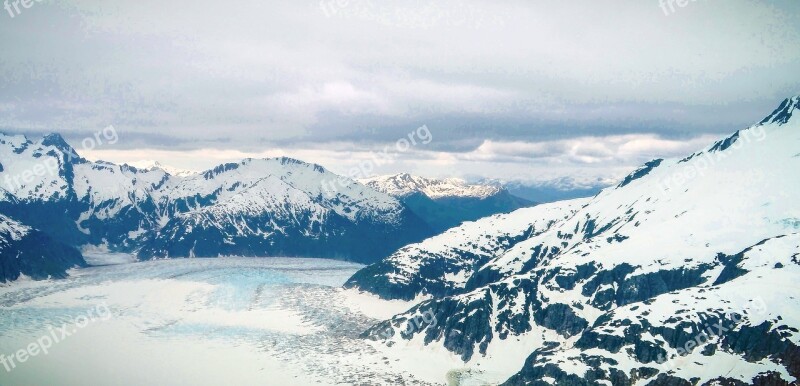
256, 207
685, 273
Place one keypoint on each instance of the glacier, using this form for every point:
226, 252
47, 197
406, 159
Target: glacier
271, 321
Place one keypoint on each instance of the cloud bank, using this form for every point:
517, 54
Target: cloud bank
539, 88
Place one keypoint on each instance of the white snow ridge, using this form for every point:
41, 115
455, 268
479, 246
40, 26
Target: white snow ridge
403, 184
685, 272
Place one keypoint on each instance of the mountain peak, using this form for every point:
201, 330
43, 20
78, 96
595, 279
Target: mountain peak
150, 165
783, 113
284, 161
57, 141
294, 161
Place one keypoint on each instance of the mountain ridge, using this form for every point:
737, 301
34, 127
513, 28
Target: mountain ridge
404, 184
620, 289
146, 211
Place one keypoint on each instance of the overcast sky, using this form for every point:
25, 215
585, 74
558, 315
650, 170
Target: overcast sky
520, 90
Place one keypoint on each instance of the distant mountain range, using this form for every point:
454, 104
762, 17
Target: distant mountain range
446, 203
150, 165
683, 273
560, 189
272, 207
256, 207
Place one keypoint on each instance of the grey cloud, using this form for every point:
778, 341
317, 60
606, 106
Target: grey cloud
358, 75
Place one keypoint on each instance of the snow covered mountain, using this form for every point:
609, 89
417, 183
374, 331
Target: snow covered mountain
444, 264
445, 203
252, 208
149, 165
685, 273
403, 184
74, 200
277, 207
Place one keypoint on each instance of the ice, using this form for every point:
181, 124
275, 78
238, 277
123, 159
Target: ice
269, 321
100, 259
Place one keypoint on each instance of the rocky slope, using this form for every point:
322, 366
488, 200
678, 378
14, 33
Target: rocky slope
446, 263
27, 251
682, 274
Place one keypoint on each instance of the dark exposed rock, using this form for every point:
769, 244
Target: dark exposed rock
561, 318
38, 256
640, 287
641, 172
783, 113
724, 144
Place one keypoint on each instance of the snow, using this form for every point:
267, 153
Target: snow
267, 184
150, 165
33, 171
97, 255
477, 238
11, 229
727, 198
403, 184
681, 214
374, 307
270, 321
103, 183
707, 368
291, 192
670, 225
27, 169
119, 354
